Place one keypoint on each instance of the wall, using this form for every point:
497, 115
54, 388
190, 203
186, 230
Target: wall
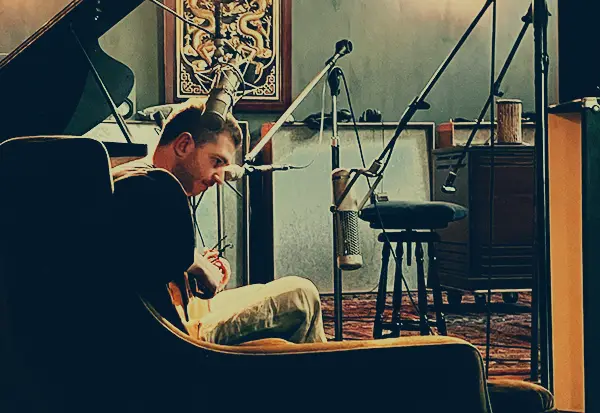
302, 225
20, 19
134, 40
137, 42
398, 45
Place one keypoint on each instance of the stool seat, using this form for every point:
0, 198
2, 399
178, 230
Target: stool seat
413, 214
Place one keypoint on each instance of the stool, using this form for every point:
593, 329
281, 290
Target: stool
411, 223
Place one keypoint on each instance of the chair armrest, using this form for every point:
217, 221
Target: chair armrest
280, 346
425, 374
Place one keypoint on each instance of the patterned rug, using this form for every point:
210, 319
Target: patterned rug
510, 326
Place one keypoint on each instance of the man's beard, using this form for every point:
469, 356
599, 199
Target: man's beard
184, 177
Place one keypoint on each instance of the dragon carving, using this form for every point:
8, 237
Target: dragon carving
250, 26
198, 42
245, 24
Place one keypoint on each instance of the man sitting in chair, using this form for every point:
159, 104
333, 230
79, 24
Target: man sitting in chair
153, 217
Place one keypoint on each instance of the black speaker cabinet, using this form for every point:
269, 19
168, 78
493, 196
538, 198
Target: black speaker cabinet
574, 207
578, 70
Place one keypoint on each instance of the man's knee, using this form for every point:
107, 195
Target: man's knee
303, 286
308, 306
302, 296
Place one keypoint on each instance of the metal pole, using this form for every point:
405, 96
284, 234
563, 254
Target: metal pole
334, 84
375, 169
246, 216
220, 216
343, 47
111, 103
542, 238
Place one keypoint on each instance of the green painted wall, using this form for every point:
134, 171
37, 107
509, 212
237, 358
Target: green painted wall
398, 45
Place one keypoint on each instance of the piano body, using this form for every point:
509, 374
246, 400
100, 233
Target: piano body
60, 82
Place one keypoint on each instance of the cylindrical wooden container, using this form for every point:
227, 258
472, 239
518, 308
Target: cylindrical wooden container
509, 120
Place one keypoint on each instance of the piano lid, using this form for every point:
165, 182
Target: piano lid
46, 82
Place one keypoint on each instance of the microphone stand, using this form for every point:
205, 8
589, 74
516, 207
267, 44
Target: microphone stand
418, 103
448, 186
541, 304
342, 48
334, 86
540, 301
182, 18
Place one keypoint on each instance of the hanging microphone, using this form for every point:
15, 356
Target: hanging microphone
346, 223
236, 172
221, 98
448, 187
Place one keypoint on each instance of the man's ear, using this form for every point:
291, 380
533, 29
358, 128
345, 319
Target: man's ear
184, 144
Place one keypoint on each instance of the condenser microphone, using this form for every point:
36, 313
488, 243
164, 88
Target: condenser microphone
221, 98
448, 187
236, 172
346, 223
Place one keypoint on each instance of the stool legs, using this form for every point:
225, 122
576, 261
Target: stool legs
434, 282
397, 325
422, 290
397, 297
382, 292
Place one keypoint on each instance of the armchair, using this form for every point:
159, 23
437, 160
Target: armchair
73, 337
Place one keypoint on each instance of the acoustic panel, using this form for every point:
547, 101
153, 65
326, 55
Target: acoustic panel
302, 221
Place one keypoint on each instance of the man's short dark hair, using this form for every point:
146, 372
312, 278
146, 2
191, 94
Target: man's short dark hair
189, 119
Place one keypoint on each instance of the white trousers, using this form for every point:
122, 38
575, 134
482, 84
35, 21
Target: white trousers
288, 308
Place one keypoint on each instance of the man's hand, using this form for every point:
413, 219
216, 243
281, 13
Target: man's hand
222, 264
204, 277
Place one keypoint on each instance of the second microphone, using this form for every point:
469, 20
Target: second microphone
237, 172
346, 223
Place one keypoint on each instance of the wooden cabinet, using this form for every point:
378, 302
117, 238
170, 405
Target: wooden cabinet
465, 261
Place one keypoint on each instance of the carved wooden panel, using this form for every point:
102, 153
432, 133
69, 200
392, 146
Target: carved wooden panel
256, 34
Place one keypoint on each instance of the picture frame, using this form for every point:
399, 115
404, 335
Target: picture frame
259, 31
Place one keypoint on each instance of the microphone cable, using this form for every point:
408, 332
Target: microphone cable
182, 18
374, 200
238, 193
194, 202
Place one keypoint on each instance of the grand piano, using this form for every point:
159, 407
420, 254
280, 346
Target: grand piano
60, 82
